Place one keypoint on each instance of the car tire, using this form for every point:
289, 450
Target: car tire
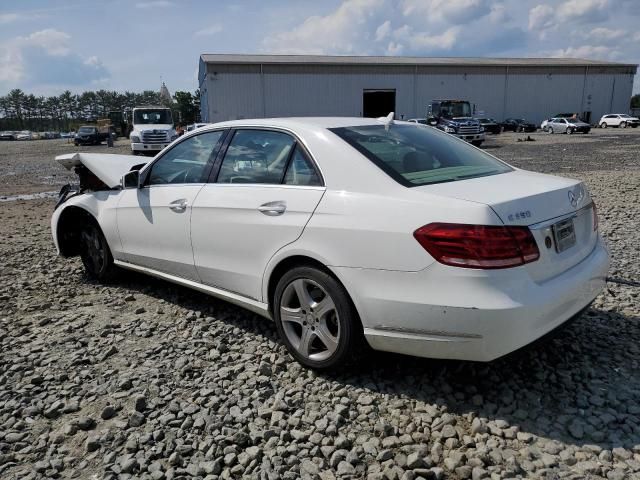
476, 143
569, 131
316, 319
550, 130
95, 253
623, 124
603, 125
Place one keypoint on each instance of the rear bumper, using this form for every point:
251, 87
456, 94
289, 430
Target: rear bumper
456, 313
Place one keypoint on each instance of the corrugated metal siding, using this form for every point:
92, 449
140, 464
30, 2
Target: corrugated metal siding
535, 93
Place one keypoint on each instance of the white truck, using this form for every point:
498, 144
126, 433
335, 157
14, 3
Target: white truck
152, 130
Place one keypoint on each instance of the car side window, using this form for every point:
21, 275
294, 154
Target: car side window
301, 171
186, 162
256, 156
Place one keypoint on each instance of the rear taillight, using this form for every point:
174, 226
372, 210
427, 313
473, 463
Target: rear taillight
478, 246
595, 217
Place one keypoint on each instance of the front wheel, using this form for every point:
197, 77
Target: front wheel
603, 125
316, 319
623, 125
569, 131
95, 253
550, 130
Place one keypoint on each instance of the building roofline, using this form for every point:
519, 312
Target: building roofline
224, 58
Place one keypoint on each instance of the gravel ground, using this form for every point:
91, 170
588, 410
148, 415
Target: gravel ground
144, 379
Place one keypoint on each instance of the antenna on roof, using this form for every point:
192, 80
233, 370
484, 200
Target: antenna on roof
387, 121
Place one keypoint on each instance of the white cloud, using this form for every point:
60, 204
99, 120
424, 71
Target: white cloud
597, 52
54, 42
547, 17
45, 57
208, 31
541, 17
499, 14
340, 32
423, 41
583, 11
606, 35
450, 11
8, 18
154, 4
383, 31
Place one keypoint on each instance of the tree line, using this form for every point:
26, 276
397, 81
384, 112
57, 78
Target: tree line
64, 112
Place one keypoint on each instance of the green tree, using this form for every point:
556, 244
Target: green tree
186, 106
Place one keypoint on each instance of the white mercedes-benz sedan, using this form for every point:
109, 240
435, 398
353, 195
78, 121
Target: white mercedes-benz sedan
343, 230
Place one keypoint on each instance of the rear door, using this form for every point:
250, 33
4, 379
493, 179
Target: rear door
263, 192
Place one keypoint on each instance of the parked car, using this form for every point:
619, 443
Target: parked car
490, 125
621, 120
87, 135
8, 135
297, 220
518, 125
567, 125
24, 135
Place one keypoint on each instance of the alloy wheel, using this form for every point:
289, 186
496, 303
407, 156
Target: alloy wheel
310, 319
95, 251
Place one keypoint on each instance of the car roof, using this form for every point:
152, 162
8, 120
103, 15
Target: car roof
300, 122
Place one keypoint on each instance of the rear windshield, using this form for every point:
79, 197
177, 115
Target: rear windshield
86, 130
414, 155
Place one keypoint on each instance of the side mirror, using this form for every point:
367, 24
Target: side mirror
131, 179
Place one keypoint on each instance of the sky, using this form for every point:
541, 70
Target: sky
47, 47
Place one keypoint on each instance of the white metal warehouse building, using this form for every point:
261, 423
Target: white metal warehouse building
257, 86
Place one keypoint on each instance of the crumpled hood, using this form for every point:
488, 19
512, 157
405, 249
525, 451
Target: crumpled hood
109, 168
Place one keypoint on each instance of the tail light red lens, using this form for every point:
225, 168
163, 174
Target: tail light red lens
595, 217
478, 246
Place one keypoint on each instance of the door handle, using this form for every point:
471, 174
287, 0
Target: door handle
273, 209
178, 206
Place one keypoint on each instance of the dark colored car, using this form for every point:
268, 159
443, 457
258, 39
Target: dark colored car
518, 125
87, 135
490, 125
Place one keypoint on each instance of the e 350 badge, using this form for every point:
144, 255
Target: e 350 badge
519, 215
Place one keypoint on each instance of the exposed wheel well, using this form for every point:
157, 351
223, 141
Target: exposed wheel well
289, 263
69, 227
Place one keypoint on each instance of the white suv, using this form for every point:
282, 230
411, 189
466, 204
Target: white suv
621, 120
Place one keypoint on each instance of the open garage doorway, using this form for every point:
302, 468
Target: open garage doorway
378, 103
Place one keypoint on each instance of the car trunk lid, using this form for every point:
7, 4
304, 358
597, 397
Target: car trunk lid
541, 202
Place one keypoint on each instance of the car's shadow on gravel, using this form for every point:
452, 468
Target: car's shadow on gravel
579, 385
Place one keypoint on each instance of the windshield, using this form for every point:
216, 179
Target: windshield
625, 116
148, 117
485, 120
455, 109
86, 130
414, 155
574, 120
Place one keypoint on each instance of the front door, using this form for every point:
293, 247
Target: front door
263, 195
154, 221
